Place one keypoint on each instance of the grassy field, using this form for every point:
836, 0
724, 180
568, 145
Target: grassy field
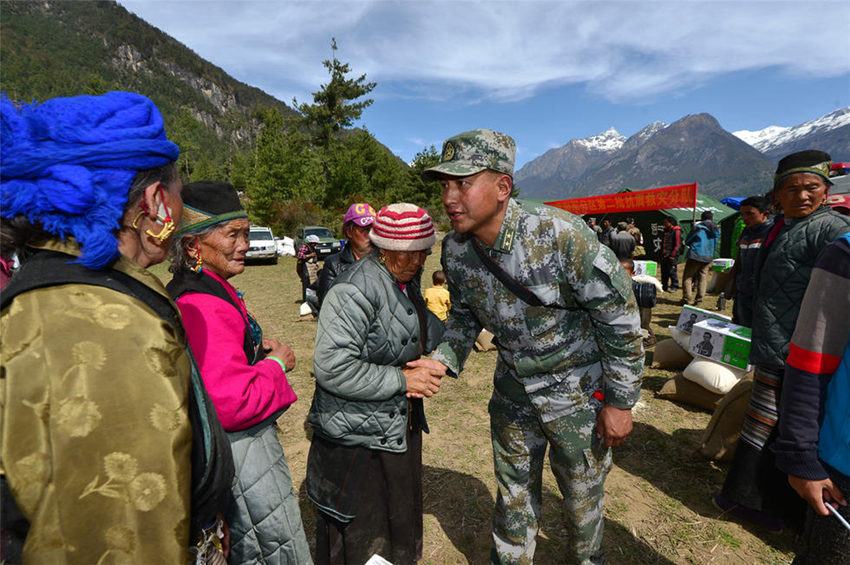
658, 505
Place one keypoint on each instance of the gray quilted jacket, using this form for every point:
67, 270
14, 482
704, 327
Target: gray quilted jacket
783, 270
368, 329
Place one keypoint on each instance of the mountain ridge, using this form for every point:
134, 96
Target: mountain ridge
694, 148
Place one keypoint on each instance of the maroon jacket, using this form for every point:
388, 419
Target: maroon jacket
671, 242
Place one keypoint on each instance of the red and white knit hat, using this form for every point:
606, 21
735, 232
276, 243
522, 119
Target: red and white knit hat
403, 227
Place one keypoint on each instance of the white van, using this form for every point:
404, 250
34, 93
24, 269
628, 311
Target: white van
262, 246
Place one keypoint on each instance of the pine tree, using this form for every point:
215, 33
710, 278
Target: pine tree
335, 105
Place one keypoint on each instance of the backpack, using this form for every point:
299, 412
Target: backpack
646, 295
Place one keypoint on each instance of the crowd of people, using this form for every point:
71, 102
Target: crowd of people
139, 420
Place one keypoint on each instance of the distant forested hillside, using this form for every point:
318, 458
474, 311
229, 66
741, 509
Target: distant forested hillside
51, 48
290, 172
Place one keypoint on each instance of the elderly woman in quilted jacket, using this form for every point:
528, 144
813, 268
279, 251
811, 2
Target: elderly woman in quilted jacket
364, 471
244, 373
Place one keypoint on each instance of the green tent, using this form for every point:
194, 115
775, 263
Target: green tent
651, 223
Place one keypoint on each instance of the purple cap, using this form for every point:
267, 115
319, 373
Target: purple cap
360, 213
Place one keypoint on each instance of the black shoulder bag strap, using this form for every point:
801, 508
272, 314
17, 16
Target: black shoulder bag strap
506, 279
212, 464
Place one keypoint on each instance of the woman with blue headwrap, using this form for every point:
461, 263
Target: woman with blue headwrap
109, 446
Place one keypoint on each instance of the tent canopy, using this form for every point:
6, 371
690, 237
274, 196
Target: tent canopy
720, 210
651, 221
733, 201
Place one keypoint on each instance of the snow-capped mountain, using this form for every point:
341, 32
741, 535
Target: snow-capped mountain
694, 148
776, 141
762, 138
564, 164
609, 140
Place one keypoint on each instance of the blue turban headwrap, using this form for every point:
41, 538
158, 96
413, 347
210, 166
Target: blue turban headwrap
68, 164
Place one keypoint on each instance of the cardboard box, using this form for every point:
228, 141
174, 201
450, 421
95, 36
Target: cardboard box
723, 342
646, 268
722, 264
691, 315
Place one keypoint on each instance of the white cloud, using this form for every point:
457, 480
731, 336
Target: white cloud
504, 51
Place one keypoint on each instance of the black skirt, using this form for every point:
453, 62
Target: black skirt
368, 502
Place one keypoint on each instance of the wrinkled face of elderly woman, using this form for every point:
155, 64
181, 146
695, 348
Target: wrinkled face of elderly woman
224, 249
404, 264
801, 194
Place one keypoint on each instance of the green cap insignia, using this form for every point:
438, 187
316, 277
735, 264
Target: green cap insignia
474, 151
448, 152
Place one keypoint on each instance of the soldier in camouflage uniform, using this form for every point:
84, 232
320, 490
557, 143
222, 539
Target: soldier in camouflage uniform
569, 367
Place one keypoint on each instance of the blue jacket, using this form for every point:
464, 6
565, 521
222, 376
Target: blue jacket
702, 240
834, 444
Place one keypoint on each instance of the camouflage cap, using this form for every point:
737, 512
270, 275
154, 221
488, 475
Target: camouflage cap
473, 151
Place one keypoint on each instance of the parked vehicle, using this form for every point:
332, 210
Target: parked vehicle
262, 246
328, 243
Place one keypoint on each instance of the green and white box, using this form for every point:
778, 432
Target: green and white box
722, 264
723, 342
691, 315
646, 268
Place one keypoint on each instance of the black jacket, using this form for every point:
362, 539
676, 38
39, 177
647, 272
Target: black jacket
783, 268
334, 266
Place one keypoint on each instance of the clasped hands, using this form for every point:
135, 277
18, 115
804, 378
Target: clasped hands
423, 377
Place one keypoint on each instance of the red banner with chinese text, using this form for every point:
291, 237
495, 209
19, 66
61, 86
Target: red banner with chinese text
679, 196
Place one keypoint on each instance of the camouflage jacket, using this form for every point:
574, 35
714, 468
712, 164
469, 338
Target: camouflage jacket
589, 315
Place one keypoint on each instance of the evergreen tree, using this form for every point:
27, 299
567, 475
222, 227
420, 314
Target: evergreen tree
335, 105
285, 169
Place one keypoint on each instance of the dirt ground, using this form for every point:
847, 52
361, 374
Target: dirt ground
658, 496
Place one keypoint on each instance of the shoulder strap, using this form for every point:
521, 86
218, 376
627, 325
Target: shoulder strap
52, 268
506, 279
212, 464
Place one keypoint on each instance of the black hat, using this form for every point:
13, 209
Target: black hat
208, 202
808, 161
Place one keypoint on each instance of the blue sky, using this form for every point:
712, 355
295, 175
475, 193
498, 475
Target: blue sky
543, 72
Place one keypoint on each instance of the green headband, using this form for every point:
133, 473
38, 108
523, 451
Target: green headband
195, 220
820, 169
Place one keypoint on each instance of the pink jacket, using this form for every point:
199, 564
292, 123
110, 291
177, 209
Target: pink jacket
243, 394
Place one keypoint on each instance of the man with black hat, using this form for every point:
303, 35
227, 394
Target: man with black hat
754, 489
570, 354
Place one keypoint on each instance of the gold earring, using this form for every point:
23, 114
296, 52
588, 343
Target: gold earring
168, 228
163, 215
136, 219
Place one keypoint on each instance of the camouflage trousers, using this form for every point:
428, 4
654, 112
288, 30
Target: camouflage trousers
579, 463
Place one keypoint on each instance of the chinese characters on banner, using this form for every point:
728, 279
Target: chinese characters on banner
657, 233
679, 196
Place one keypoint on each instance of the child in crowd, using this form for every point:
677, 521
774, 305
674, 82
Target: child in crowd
437, 297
